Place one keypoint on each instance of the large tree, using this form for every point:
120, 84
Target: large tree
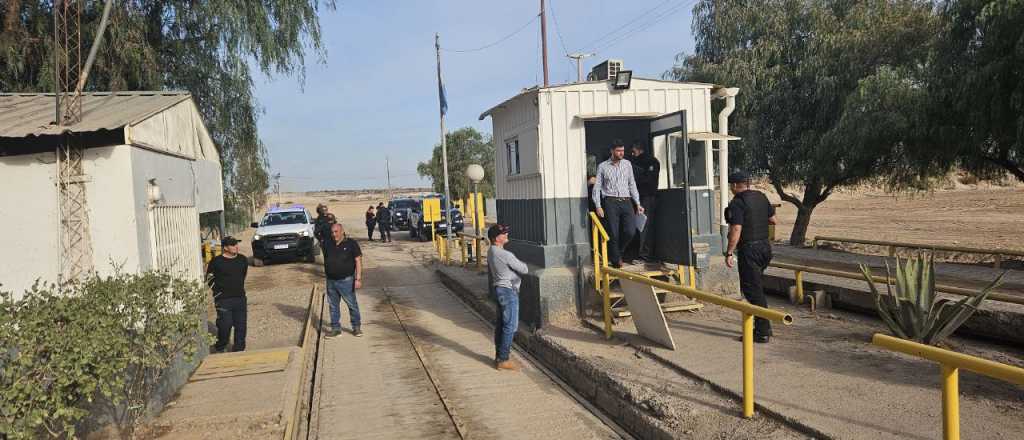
828, 90
208, 48
977, 86
465, 146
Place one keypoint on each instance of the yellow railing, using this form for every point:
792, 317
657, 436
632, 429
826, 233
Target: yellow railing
799, 270
951, 362
748, 310
892, 245
602, 282
210, 250
441, 246
478, 246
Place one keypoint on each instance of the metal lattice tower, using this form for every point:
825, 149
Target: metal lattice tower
75, 244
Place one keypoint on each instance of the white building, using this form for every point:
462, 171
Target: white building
547, 141
149, 166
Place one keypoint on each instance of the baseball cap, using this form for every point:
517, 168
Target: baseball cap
496, 230
229, 241
739, 177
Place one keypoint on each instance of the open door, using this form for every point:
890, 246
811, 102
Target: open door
672, 231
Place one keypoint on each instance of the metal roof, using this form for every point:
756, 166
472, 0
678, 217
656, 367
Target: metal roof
32, 114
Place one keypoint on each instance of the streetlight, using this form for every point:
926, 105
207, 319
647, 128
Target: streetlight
475, 173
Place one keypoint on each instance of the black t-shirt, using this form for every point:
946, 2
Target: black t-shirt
751, 209
340, 258
647, 172
227, 276
383, 215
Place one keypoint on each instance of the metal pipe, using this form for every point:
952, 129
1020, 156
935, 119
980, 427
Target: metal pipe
723, 154
953, 359
84, 75
937, 247
799, 287
950, 403
748, 365
880, 279
762, 312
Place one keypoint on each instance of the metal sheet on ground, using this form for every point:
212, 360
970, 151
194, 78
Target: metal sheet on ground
648, 317
241, 364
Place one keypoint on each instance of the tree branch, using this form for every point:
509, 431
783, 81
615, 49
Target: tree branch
12, 17
1007, 164
784, 195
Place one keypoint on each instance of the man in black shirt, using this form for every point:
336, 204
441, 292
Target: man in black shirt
647, 171
749, 214
384, 222
322, 225
343, 265
226, 276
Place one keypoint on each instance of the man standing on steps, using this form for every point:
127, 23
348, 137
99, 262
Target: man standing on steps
749, 214
505, 270
343, 266
647, 172
226, 277
617, 200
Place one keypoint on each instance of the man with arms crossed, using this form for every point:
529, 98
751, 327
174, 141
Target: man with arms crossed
343, 266
505, 269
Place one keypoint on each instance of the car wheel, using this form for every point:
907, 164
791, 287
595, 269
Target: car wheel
311, 257
258, 262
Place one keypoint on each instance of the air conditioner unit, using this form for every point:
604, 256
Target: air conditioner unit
605, 71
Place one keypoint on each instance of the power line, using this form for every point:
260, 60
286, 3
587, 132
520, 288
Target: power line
558, 31
646, 25
502, 40
643, 15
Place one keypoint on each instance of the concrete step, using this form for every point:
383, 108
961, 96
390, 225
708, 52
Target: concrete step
622, 312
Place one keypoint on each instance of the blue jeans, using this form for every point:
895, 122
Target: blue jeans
506, 323
342, 289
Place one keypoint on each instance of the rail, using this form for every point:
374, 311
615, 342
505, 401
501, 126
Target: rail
477, 245
951, 362
307, 369
748, 310
892, 245
799, 270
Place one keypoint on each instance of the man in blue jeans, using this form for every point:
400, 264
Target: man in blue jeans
505, 269
343, 265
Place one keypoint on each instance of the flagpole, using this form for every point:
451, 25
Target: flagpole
444, 140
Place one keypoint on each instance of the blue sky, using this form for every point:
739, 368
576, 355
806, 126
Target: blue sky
376, 95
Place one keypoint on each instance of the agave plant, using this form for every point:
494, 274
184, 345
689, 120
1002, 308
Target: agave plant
910, 309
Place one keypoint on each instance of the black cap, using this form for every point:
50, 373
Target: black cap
739, 177
496, 230
229, 241
617, 143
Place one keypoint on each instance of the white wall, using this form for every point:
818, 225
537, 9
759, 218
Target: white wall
518, 119
178, 183
28, 221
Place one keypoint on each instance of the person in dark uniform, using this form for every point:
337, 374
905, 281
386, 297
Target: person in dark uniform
371, 222
226, 277
384, 222
322, 225
749, 214
647, 172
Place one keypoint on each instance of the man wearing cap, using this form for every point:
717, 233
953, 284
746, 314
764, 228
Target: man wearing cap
322, 225
617, 200
226, 277
505, 270
647, 172
343, 266
749, 214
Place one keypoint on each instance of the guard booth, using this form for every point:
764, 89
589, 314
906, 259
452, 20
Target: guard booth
549, 139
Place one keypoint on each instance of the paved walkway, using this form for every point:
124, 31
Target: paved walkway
424, 369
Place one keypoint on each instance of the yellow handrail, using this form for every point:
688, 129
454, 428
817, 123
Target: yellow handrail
951, 362
749, 312
799, 269
998, 253
600, 227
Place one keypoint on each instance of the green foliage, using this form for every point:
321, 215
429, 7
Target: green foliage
106, 341
208, 48
976, 83
910, 309
828, 90
465, 146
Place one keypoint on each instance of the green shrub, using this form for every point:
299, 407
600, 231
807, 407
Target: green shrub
911, 311
102, 342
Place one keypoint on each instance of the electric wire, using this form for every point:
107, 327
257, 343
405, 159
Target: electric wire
643, 26
558, 31
624, 25
502, 40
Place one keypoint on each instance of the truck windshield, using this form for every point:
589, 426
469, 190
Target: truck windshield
283, 218
403, 204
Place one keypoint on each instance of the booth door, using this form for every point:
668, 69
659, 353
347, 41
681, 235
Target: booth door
673, 235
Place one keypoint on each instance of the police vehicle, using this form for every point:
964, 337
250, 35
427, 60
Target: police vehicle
420, 229
401, 210
284, 233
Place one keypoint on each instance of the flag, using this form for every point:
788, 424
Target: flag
444, 100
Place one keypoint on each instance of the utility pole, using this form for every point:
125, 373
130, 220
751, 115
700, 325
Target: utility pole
579, 64
444, 138
544, 40
277, 187
387, 168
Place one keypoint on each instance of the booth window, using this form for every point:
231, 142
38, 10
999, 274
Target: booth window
512, 154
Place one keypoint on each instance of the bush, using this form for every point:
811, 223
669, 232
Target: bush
102, 342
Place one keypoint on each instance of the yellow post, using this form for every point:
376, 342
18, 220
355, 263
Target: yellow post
462, 249
606, 291
748, 365
597, 256
207, 252
693, 277
799, 287
479, 252
950, 403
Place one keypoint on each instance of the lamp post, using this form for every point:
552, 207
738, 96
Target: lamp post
475, 173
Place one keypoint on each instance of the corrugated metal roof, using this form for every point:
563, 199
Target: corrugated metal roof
32, 114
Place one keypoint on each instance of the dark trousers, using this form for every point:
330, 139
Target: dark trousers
231, 312
643, 245
369, 230
618, 221
752, 259
385, 230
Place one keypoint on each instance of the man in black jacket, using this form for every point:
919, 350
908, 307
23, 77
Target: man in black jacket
384, 222
322, 225
749, 214
226, 277
647, 171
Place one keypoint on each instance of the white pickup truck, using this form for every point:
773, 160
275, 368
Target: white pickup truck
284, 233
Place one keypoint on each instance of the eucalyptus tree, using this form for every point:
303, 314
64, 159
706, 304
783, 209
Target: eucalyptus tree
210, 48
829, 90
465, 146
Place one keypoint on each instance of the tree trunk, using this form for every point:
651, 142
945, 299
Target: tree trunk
803, 219
13, 16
